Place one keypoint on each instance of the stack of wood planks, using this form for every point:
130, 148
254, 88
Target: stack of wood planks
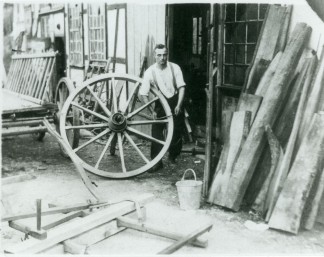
274, 146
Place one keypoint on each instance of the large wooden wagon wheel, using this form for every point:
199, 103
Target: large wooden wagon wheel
63, 90
110, 110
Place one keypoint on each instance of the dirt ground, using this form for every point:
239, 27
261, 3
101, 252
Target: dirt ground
58, 182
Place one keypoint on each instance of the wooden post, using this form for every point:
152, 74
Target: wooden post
209, 116
267, 114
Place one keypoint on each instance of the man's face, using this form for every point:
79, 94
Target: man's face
161, 56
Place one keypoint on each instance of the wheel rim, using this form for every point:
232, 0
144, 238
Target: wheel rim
115, 117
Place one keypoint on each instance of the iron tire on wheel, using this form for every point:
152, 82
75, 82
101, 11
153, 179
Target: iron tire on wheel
109, 118
63, 90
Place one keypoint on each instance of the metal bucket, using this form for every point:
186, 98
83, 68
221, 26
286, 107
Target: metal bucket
189, 192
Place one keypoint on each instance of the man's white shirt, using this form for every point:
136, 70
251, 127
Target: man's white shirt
164, 79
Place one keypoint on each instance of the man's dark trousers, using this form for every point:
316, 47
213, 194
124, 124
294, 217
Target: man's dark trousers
157, 129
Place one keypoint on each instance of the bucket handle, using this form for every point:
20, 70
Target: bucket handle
193, 172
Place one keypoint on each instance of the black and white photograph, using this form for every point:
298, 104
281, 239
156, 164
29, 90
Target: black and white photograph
143, 128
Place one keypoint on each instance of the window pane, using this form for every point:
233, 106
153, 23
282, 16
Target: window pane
252, 32
239, 75
240, 54
249, 54
263, 10
229, 33
252, 12
230, 12
240, 33
241, 12
194, 35
229, 74
229, 54
200, 25
199, 45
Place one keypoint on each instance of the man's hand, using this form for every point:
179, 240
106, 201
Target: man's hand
177, 110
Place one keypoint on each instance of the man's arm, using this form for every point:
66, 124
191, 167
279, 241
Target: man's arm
181, 93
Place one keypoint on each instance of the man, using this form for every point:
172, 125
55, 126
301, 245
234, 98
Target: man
168, 78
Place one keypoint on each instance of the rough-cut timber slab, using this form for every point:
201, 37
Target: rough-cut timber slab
313, 203
267, 46
267, 76
282, 130
249, 103
287, 159
238, 132
267, 114
261, 203
77, 227
288, 210
320, 213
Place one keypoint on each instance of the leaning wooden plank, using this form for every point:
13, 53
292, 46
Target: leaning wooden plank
288, 210
284, 167
267, 76
313, 204
133, 224
313, 99
320, 213
185, 240
284, 29
260, 203
238, 132
267, 46
78, 226
282, 130
18, 178
226, 125
249, 103
267, 114
85, 179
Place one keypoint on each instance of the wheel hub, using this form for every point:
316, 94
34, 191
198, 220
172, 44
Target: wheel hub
117, 122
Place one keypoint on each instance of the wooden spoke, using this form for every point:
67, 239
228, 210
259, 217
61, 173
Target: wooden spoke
143, 135
114, 94
102, 105
120, 92
121, 152
136, 147
146, 122
123, 110
105, 149
92, 140
142, 107
89, 126
89, 111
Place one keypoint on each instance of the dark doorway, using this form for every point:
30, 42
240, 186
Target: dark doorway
187, 40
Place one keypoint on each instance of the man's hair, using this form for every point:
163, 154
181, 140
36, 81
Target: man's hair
160, 46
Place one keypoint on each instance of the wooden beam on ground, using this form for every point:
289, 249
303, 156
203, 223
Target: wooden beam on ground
238, 133
288, 210
78, 226
133, 224
18, 178
50, 211
185, 240
267, 114
18, 225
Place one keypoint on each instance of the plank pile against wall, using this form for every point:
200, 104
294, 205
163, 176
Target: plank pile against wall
276, 158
